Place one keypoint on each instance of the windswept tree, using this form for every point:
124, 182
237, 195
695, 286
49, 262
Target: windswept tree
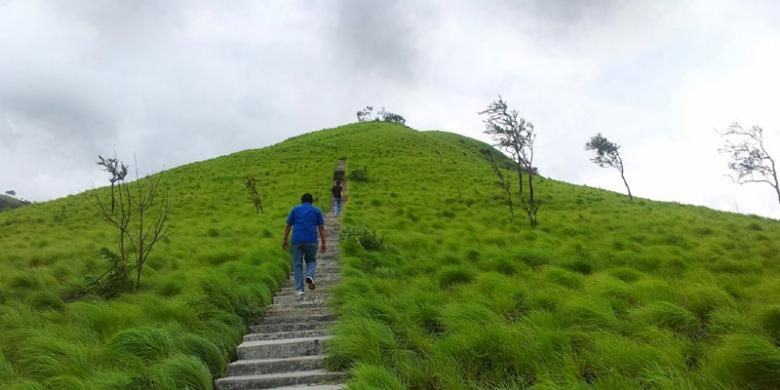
503, 182
516, 136
608, 155
749, 162
118, 172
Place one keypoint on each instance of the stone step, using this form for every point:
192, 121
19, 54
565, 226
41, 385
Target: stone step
290, 326
286, 335
269, 381
319, 276
315, 387
297, 310
269, 366
310, 304
323, 285
317, 297
304, 318
274, 349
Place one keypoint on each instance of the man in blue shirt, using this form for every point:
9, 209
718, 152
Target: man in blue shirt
305, 220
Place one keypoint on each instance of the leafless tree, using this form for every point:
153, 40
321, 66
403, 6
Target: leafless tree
608, 155
502, 182
750, 162
140, 219
516, 136
251, 186
118, 172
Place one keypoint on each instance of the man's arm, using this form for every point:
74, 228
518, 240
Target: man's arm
323, 246
285, 245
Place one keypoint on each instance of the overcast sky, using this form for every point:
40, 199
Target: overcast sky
180, 81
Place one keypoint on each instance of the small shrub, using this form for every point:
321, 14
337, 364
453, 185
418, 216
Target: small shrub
44, 300
359, 175
748, 361
371, 377
579, 266
450, 276
144, 343
770, 322
669, 315
187, 372
563, 277
363, 237
533, 257
627, 275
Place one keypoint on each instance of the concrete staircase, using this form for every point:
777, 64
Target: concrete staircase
285, 349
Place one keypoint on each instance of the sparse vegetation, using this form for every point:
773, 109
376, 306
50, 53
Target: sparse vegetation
516, 136
251, 186
750, 162
608, 155
605, 294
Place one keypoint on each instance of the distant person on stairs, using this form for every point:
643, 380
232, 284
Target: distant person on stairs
336, 190
305, 220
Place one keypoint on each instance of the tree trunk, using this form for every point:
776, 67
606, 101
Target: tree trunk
511, 207
531, 200
630, 197
774, 175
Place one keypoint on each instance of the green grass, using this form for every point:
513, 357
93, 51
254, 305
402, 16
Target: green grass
201, 287
605, 294
441, 290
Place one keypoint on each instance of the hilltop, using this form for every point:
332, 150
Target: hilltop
9, 202
441, 290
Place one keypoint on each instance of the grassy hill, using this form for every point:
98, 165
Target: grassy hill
441, 290
9, 202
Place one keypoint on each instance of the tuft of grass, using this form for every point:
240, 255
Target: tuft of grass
669, 315
748, 361
144, 343
186, 372
44, 300
770, 322
206, 351
370, 377
453, 275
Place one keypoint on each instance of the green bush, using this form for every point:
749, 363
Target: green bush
370, 377
748, 362
362, 237
145, 343
452, 275
669, 315
44, 300
359, 175
770, 321
186, 372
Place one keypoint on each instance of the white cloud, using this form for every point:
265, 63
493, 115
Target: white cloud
204, 79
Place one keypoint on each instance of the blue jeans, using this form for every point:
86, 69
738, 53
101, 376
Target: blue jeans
336, 206
304, 251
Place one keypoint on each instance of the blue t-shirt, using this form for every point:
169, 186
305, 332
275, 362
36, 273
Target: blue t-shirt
305, 219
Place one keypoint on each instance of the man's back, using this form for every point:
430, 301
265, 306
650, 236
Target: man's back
305, 219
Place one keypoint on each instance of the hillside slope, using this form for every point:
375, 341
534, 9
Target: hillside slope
8, 202
448, 293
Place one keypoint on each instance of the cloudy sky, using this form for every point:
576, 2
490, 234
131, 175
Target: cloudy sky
179, 81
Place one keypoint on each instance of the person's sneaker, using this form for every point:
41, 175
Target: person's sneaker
299, 293
310, 281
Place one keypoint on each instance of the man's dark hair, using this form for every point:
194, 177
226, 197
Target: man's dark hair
307, 198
